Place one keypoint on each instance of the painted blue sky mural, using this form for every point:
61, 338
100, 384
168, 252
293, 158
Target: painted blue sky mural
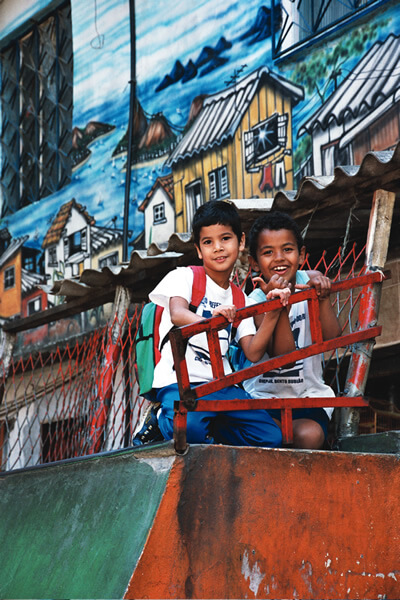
101, 90
179, 56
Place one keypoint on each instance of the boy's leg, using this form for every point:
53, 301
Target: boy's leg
310, 426
198, 423
244, 427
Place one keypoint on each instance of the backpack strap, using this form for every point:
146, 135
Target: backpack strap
199, 290
239, 300
198, 287
198, 293
238, 297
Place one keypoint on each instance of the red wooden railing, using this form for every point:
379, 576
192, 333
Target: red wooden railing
190, 396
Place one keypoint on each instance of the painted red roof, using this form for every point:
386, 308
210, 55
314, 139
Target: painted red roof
54, 233
166, 183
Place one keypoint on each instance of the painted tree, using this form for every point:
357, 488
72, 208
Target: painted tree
325, 68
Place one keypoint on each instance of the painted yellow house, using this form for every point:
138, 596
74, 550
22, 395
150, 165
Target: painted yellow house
239, 145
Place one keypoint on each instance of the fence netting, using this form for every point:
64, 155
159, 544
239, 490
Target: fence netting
82, 397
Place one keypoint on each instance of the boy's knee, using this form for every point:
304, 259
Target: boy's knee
307, 434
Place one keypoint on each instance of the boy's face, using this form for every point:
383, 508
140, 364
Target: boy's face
218, 249
278, 254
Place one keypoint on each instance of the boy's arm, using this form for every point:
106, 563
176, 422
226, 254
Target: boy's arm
255, 346
329, 322
282, 340
182, 315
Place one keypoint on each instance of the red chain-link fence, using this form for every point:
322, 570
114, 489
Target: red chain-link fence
83, 398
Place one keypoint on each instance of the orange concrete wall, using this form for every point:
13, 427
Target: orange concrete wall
255, 523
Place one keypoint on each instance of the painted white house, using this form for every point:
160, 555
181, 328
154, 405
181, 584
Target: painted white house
159, 211
67, 242
362, 114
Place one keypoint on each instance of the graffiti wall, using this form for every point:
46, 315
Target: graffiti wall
229, 100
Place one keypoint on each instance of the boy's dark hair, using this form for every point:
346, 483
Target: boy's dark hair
216, 212
273, 221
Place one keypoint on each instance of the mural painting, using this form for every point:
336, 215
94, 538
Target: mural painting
227, 104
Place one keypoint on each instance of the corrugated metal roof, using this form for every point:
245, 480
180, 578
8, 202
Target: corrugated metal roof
30, 280
378, 170
14, 246
141, 273
374, 79
222, 113
325, 204
102, 237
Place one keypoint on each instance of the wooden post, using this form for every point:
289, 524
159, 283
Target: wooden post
375, 257
118, 324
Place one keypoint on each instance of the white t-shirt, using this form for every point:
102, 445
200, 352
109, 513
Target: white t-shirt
179, 283
304, 379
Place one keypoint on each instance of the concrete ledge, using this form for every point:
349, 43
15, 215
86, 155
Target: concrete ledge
387, 442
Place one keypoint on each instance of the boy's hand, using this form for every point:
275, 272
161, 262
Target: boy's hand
276, 282
321, 283
228, 311
283, 294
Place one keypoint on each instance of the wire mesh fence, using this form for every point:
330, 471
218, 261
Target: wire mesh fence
83, 398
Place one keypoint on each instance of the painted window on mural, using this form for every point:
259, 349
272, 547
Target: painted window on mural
74, 243
218, 181
36, 111
328, 159
9, 278
34, 306
159, 213
30, 263
109, 261
265, 139
52, 256
298, 21
194, 199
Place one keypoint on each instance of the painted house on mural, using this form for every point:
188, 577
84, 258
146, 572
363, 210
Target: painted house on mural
20, 278
106, 246
67, 242
362, 114
159, 211
238, 146
74, 243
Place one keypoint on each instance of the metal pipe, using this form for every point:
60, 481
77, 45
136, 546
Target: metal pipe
132, 105
375, 258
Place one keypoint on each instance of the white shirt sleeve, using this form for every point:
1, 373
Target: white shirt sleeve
178, 282
247, 326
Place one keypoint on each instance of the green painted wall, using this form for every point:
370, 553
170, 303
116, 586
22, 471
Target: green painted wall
77, 528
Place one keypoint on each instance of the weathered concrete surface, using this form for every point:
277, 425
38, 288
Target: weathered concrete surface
76, 529
254, 523
219, 522
385, 442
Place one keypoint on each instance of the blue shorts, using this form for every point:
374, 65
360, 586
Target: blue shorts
234, 428
315, 414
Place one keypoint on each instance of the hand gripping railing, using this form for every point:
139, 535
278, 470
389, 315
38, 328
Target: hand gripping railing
190, 397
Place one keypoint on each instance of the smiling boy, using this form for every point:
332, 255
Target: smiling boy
277, 251
218, 239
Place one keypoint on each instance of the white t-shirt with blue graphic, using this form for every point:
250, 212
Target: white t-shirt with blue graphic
304, 378
179, 282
